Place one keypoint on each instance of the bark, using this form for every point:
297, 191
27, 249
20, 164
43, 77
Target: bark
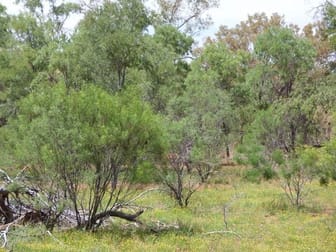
119, 214
5, 210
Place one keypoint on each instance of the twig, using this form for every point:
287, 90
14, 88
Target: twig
223, 232
9, 180
5, 230
141, 195
54, 238
20, 173
226, 208
3, 235
224, 214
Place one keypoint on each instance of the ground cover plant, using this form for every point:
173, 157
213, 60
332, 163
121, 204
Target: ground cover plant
258, 217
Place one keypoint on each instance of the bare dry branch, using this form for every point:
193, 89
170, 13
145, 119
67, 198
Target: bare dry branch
223, 232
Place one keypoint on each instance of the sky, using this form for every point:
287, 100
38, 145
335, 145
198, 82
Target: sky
231, 12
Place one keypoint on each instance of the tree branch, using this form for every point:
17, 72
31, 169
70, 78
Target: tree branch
119, 214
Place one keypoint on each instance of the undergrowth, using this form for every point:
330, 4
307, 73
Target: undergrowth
258, 217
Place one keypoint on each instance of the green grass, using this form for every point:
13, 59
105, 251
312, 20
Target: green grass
259, 214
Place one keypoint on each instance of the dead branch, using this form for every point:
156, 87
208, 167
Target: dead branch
3, 235
140, 195
161, 226
5, 176
227, 205
119, 214
225, 212
5, 229
223, 232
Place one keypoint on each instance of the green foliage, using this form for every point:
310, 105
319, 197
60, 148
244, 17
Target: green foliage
289, 54
278, 157
189, 16
169, 36
329, 14
207, 116
146, 173
107, 43
30, 31
269, 173
163, 62
224, 67
253, 175
253, 149
274, 98
73, 137
256, 175
284, 58
4, 27
324, 161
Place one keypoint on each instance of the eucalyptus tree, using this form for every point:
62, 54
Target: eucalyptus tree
288, 56
284, 63
188, 16
108, 42
292, 93
36, 33
243, 36
165, 63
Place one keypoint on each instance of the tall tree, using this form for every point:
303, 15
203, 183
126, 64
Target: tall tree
37, 33
186, 15
286, 57
244, 35
107, 44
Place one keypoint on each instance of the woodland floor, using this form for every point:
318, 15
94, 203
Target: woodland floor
258, 218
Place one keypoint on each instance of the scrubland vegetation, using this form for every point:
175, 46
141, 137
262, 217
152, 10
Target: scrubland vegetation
114, 138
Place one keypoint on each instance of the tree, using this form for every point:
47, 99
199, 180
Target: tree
4, 27
203, 121
296, 173
84, 146
187, 16
288, 93
317, 34
107, 44
165, 66
288, 56
51, 15
176, 174
243, 36
32, 38
225, 67
218, 74
328, 14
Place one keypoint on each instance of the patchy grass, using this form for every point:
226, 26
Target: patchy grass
258, 214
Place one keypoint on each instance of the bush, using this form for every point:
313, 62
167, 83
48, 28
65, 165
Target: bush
87, 137
253, 175
268, 173
279, 203
324, 180
146, 173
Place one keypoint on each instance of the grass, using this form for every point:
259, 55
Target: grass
258, 213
